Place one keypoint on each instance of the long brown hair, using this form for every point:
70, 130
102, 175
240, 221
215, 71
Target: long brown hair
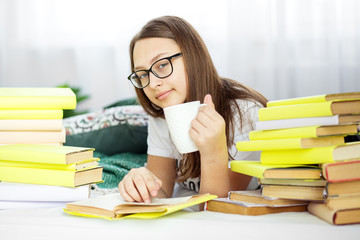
202, 79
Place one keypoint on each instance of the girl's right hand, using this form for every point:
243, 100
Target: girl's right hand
139, 185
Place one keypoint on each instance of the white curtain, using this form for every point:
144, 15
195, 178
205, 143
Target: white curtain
282, 48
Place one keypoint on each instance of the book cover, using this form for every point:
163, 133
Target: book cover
45, 153
284, 171
31, 124
254, 196
289, 143
51, 136
342, 171
315, 98
31, 114
225, 205
113, 206
22, 192
307, 122
294, 192
337, 217
37, 98
309, 110
65, 178
303, 132
318, 155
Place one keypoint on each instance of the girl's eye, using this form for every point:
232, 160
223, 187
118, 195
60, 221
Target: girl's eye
163, 65
143, 76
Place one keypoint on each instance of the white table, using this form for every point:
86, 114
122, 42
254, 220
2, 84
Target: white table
53, 223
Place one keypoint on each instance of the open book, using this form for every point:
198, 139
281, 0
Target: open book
113, 206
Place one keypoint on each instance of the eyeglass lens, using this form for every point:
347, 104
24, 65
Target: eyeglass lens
161, 69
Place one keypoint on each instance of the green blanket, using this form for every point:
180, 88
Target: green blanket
117, 166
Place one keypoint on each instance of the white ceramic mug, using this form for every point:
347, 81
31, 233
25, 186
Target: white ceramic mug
178, 118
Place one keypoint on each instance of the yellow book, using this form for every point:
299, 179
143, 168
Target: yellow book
289, 143
320, 109
285, 171
50, 154
348, 151
113, 206
316, 98
89, 163
37, 98
31, 114
303, 132
65, 178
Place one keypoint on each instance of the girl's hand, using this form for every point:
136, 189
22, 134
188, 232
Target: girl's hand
208, 131
139, 185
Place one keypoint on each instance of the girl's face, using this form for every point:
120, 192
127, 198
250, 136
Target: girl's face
163, 92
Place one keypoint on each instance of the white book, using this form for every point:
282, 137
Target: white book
305, 122
23, 204
22, 192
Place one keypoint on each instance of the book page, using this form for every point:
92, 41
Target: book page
161, 201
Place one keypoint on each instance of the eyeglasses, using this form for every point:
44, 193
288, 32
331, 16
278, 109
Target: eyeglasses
162, 68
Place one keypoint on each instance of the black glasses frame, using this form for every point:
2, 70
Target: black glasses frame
150, 70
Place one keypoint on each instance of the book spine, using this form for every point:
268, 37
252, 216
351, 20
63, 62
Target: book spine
296, 111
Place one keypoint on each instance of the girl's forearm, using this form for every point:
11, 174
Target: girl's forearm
215, 175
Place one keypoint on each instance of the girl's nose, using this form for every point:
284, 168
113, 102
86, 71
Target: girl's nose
154, 81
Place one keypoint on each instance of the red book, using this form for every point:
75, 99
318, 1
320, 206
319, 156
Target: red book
341, 171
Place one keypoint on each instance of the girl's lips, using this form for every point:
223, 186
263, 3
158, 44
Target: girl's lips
163, 95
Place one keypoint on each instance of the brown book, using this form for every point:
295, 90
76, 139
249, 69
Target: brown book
254, 196
294, 182
225, 205
344, 202
341, 171
334, 189
337, 217
294, 192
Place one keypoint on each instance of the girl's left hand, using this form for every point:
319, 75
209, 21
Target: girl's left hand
208, 130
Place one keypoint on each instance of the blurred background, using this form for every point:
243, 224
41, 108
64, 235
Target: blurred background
282, 48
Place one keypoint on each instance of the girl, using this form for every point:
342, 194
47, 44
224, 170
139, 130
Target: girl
171, 65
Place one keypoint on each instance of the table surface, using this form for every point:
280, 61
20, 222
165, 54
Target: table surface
54, 223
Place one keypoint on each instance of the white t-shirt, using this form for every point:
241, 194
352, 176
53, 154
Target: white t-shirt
160, 143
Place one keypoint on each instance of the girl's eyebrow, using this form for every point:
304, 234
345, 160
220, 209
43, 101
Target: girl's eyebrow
154, 59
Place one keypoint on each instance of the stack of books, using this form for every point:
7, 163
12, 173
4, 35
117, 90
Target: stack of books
35, 169
297, 138
34, 115
62, 168
342, 205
